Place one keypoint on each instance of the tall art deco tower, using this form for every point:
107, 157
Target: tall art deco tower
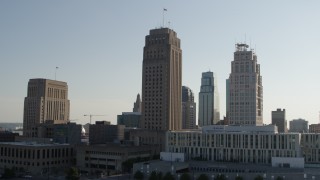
161, 81
245, 88
47, 100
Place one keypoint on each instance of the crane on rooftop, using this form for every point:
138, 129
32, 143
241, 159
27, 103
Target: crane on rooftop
90, 115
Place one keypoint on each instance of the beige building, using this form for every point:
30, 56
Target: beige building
245, 89
161, 81
36, 158
47, 100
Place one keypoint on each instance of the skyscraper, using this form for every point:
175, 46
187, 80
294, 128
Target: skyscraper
209, 111
188, 109
137, 105
47, 100
161, 81
245, 88
279, 119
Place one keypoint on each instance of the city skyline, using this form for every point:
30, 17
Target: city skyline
88, 44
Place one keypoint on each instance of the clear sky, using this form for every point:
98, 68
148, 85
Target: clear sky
98, 47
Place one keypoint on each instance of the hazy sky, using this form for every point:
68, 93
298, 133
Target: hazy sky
98, 47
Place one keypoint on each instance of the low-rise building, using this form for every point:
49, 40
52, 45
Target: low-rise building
129, 119
36, 158
314, 128
104, 133
108, 158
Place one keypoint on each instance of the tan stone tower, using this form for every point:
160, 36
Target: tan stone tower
245, 88
47, 100
161, 81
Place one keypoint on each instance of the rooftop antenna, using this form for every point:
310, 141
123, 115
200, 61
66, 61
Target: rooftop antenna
168, 24
319, 117
164, 9
55, 73
245, 38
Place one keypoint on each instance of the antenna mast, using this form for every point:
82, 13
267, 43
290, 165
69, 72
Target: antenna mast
164, 9
55, 73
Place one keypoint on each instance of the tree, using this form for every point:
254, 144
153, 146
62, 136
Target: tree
153, 176
168, 176
185, 176
138, 175
203, 177
72, 174
238, 178
259, 177
220, 177
8, 173
279, 178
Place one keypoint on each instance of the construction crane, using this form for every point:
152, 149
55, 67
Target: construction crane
90, 115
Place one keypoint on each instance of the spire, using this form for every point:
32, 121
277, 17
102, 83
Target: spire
137, 104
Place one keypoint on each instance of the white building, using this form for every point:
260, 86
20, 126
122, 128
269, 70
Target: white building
234, 144
209, 111
244, 97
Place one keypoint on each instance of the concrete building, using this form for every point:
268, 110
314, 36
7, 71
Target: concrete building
7, 136
245, 88
299, 126
104, 133
38, 159
47, 100
279, 119
144, 137
161, 81
59, 133
209, 111
107, 159
235, 144
129, 119
188, 109
137, 104
227, 100
314, 128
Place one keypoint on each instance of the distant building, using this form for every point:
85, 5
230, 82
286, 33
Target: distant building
209, 111
137, 105
104, 133
314, 128
299, 126
245, 89
161, 81
129, 119
47, 100
107, 159
38, 159
59, 133
279, 119
227, 100
7, 136
188, 109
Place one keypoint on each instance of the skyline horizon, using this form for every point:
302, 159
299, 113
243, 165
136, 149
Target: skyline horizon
98, 48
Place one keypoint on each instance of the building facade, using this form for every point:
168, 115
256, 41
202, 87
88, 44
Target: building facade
245, 88
243, 147
47, 100
314, 128
299, 126
107, 159
38, 159
59, 133
279, 119
188, 109
209, 111
103, 133
129, 119
161, 81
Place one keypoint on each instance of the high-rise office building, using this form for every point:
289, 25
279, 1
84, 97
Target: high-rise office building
245, 88
209, 111
161, 81
47, 100
279, 119
188, 109
137, 105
